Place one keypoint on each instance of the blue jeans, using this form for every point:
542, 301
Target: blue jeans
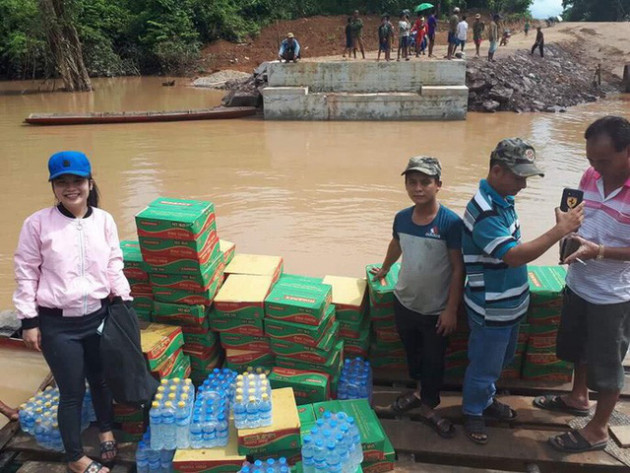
490, 349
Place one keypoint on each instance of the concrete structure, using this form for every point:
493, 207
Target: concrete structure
360, 90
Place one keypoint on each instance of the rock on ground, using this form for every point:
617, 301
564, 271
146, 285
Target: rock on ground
525, 83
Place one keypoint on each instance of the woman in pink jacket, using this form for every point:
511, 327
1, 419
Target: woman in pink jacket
68, 269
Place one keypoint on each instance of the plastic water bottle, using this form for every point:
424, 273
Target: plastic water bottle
142, 459
319, 456
155, 422
252, 413
222, 430
196, 433
355, 381
265, 410
182, 421
308, 451
169, 435
240, 413
333, 457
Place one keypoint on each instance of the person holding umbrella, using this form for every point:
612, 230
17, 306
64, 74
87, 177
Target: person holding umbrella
431, 24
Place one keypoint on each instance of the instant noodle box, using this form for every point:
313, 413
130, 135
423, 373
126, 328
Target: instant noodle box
206, 362
199, 337
195, 267
309, 335
352, 330
160, 250
134, 266
182, 314
546, 284
175, 366
255, 265
308, 386
178, 296
176, 219
249, 357
213, 460
284, 432
316, 354
388, 463
332, 366
243, 296
227, 251
295, 299
236, 325
159, 342
239, 341
350, 298
382, 290
192, 282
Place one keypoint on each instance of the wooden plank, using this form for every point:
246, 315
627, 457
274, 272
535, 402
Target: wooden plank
518, 387
508, 449
26, 443
7, 432
621, 434
451, 406
49, 467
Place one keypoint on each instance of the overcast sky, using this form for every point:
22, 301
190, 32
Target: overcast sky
546, 8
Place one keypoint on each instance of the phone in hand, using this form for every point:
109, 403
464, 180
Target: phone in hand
568, 246
571, 198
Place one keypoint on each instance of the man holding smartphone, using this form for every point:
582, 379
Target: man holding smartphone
595, 325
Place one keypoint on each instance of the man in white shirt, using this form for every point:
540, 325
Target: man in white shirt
462, 33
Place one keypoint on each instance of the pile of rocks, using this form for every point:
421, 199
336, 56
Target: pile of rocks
525, 83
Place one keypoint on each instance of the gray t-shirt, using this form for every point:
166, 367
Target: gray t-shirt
425, 270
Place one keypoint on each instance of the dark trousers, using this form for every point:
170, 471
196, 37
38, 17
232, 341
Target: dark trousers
541, 48
425, 350
71, 348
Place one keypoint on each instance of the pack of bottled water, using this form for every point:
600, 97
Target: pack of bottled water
38, 417
333, 445
170, 414
219, 381
252, 401
209, 425
268, 466
149, 460
355, 380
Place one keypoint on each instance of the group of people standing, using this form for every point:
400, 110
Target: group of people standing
480, 260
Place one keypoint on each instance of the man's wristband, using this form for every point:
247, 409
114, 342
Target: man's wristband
600, 253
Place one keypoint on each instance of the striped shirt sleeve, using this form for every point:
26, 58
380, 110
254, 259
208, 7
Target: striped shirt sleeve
493, 236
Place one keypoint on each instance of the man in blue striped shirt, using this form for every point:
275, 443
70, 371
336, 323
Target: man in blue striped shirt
497, 289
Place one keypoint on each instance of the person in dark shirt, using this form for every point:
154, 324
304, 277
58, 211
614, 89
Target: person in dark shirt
385, 38
540, 42
431, 28
348, 48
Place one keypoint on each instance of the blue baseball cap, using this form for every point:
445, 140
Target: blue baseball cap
69, 162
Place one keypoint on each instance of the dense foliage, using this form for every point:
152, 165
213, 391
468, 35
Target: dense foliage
133, 36
596, 10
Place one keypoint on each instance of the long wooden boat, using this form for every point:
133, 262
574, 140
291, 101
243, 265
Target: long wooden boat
217, 113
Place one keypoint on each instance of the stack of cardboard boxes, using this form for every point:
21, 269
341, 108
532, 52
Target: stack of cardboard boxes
301, 325
137, 273
387, 352
349, 295
540, 363
180, 245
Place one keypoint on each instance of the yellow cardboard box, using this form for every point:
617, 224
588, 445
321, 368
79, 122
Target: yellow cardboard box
213, 460
349, 296
256, 265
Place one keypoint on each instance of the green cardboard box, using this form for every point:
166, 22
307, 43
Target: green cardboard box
331, 367
306, 413
180, 314
166, 249
358, 345
353, 330
143, 302
310, 335
298, 351
382, 291
282, 435
236, 324
298, 299
350, 298
207, 362
213, 460
179, 296
196, 268
239, 341
245, 358
134, 266
159, 342
199, 337
177, 219
308, 387
382, 312
192, 282
372, 436
242, 367
243, 296
546, 284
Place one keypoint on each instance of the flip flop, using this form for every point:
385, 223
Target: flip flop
443, 427
94, 467
107, 447
403, 403
476, 425
554, 402
574, 442
499, 411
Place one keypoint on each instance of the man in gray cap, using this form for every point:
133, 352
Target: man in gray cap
429, 288
497, 288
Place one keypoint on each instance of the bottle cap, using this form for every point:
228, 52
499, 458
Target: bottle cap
265, 396
168, 404
159, 397
161, 389
164, 382
307, 439
181, 404
155, 404
176, 380
171, 396
239, 398
270, 461
252, 399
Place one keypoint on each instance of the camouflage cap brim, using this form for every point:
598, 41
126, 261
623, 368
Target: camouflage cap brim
526, 170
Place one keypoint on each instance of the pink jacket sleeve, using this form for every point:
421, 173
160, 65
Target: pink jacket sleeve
117, 280
27, 260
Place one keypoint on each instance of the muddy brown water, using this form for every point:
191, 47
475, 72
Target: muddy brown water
322, 195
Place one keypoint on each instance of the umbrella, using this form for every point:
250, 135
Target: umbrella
423, 6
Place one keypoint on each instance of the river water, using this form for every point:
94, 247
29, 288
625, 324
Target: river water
322, 195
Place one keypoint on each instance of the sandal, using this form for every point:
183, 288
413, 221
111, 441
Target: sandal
553, 402
403, 403
108, 447
476, 426
442, 426
93, 467
499, 411
574, 442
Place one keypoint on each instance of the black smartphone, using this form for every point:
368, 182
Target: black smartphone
571, 198
568, 246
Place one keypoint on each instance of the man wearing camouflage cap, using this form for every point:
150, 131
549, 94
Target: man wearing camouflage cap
497, 289
429, 288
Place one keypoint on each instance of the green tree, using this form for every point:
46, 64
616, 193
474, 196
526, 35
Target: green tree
596, 10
